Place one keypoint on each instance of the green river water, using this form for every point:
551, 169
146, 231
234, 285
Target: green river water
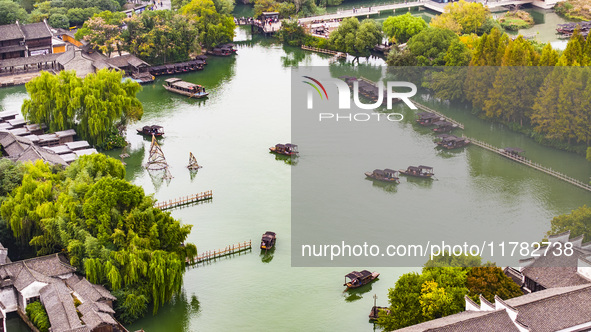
248, 110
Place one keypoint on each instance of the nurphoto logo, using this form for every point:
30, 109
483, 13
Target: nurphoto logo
344, 98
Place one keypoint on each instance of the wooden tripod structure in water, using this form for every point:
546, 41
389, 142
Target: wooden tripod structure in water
193, 165
156, 160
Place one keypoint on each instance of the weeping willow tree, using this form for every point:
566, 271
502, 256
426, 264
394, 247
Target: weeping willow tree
107, 226
95, 106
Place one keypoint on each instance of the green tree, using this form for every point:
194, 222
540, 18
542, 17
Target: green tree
356, 38
11, 176
108, 227
103, 33
578, 222
37, 314
436, 292
516, 84
430, 46
161, 36
549, 56
469, 16
434, 300
489, 281
77, 16
93, 106
401, 28
292, 33
261, 6
59, 21
214, 28
574, 54
487, 55
10, 12
398, 57
224, 7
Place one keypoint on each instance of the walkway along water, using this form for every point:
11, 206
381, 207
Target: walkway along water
502, 152
375, 10
530, 163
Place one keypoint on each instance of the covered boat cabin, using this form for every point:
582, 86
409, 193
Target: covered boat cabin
443, 126
185, 88
427, 119
268, 240
419, 171
386, 175
223, 50
285, 149
513, 152
357, 279
151, 130
451, 141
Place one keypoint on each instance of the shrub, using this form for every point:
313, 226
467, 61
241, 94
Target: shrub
37, 314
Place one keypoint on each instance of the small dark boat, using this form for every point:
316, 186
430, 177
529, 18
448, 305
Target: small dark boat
223, 50
451, 142
358, 279
427, 119
375, 312
185, 88
443, 126
285, 149
386, 175
420, 171
268, 240
513, 153
151, 130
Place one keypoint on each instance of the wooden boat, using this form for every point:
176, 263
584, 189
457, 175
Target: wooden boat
443, 126
223, 50
386, 175
268, 240
451, 142
285, 149
151, 130
418, 171
358, 279
375, 312
427, 119
513, 152
185, 88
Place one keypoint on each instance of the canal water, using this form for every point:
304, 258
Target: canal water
248, 111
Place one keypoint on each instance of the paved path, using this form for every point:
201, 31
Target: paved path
374, 10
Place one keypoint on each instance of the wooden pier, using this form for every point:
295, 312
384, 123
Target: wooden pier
430, 110
525, 161
186, 200
336, 54
215, 254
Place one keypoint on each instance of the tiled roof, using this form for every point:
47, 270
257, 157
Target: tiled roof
544, 311
556, 271
93, 317
10, 31
496, 321
34, 153
87, 290
60, 308
25, 272
432, 325
125, 60
36, 30
556, 311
